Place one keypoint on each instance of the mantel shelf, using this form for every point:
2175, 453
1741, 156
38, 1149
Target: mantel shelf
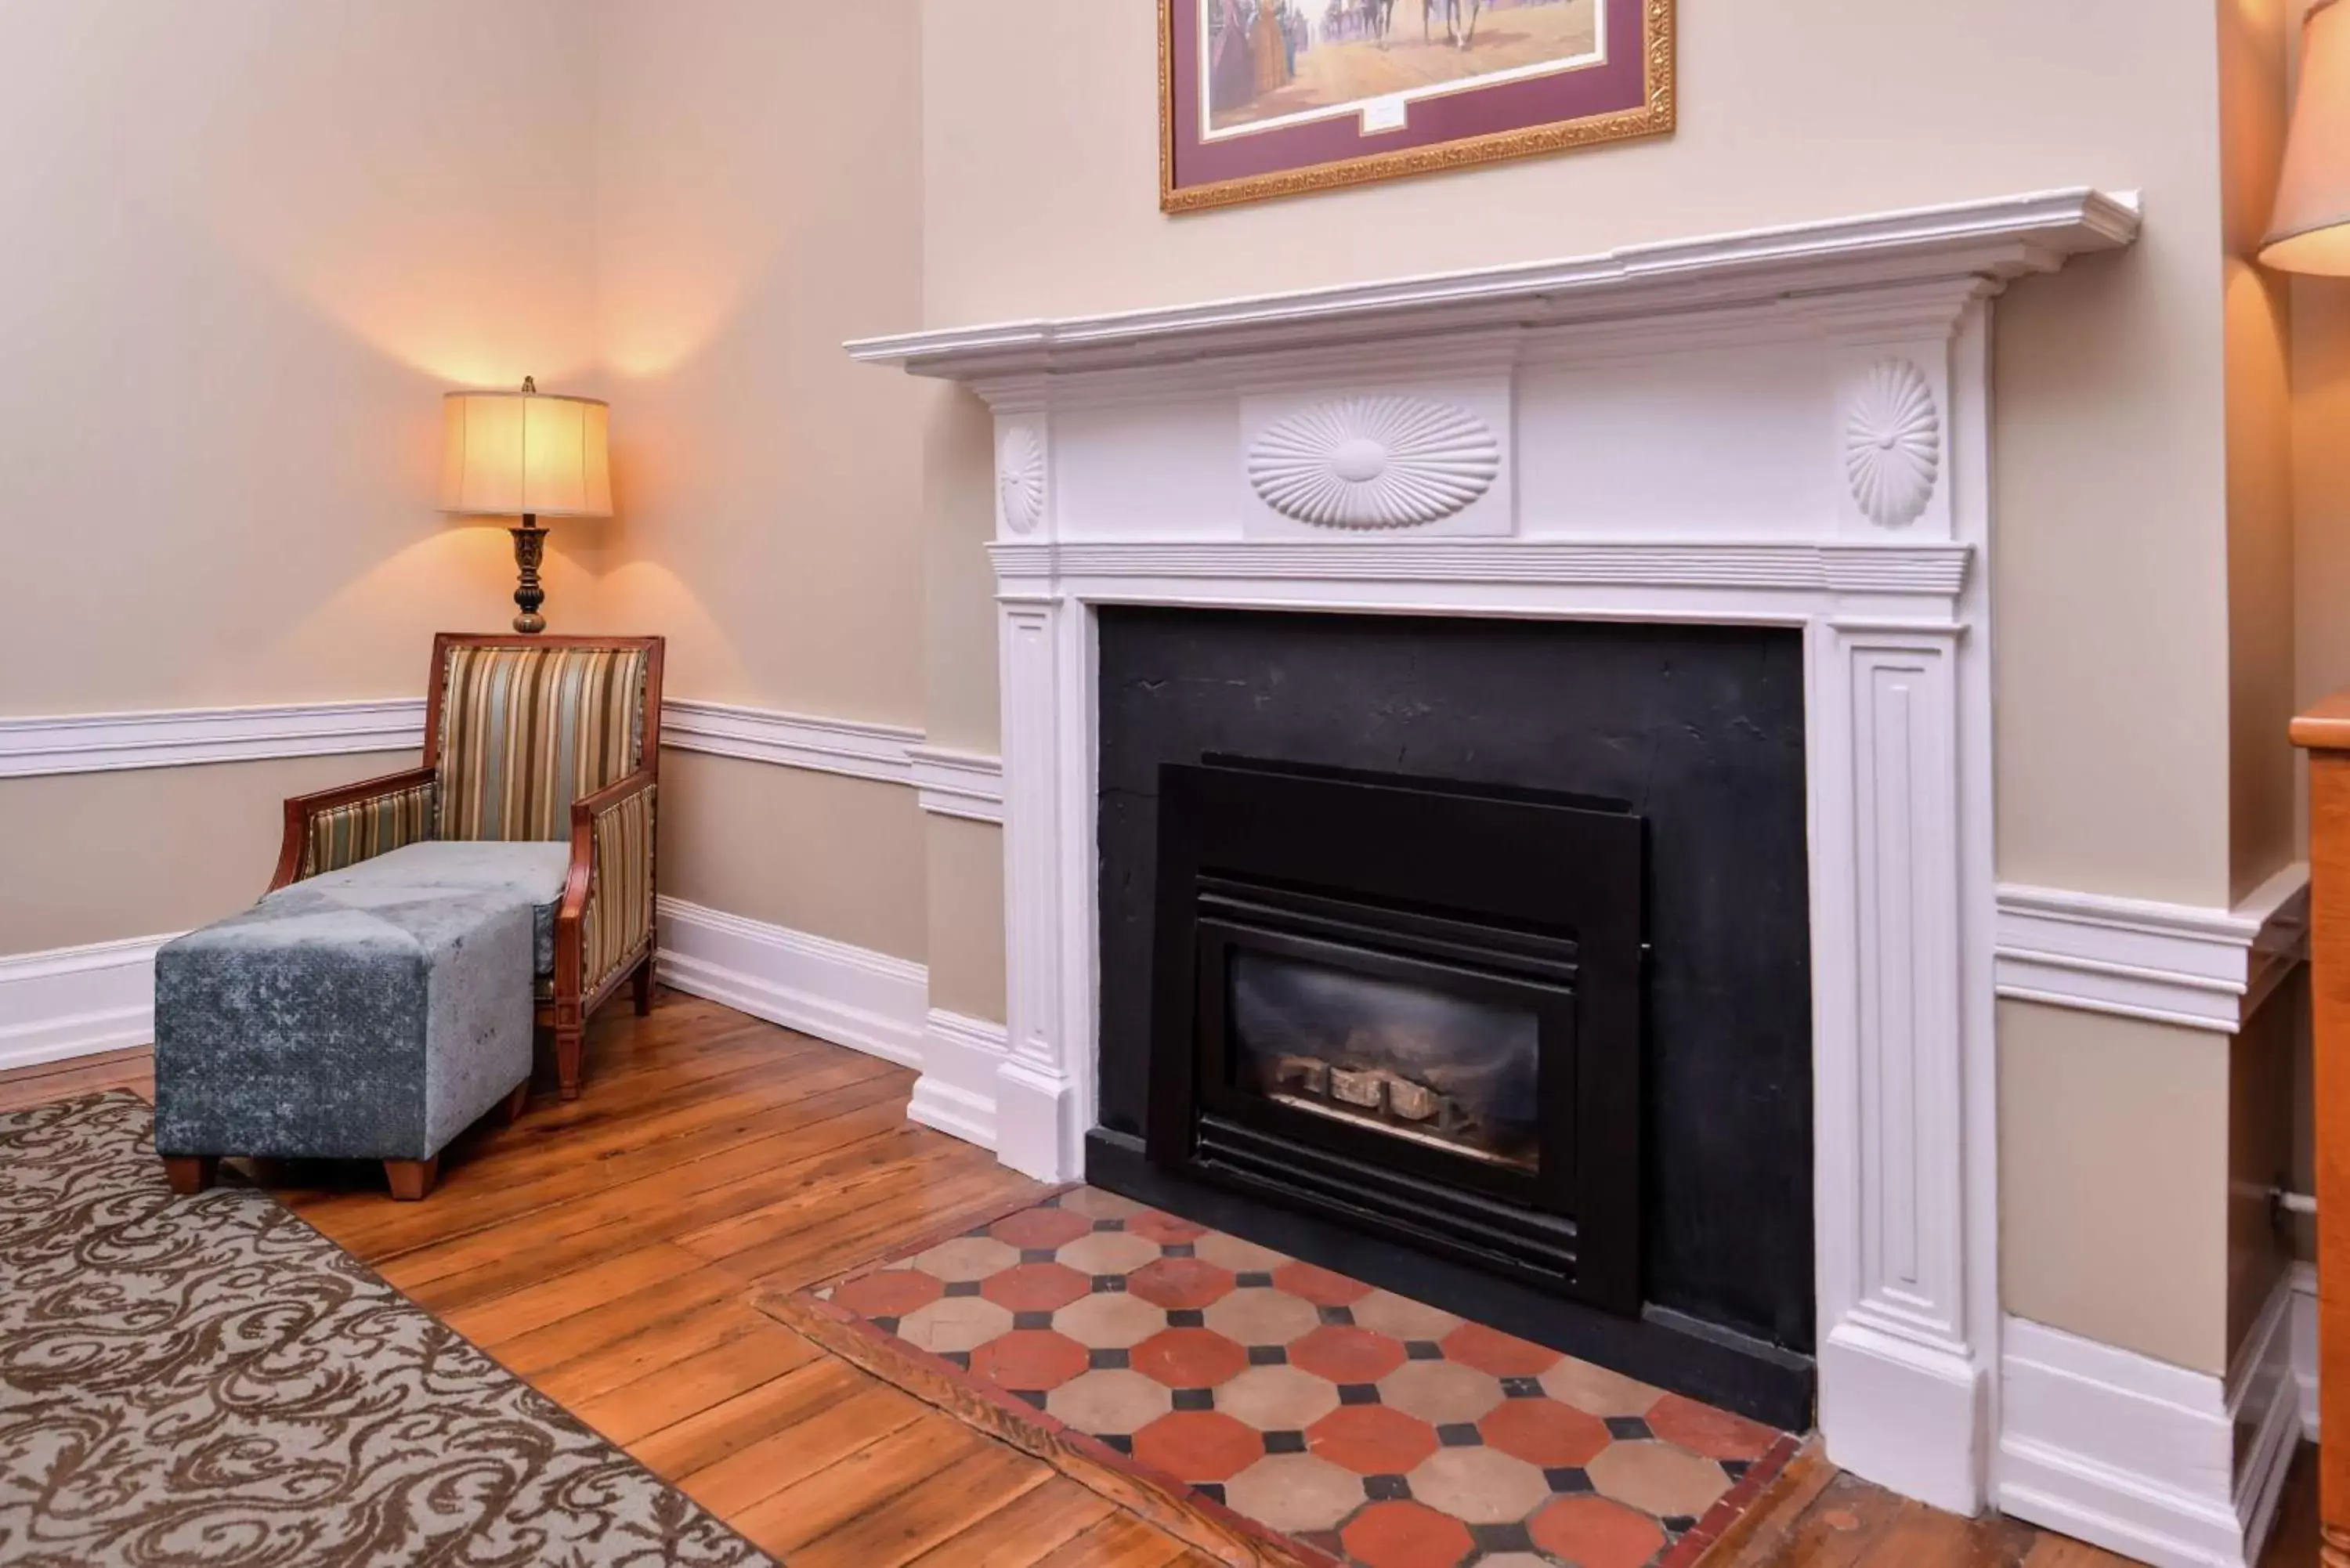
1994, 240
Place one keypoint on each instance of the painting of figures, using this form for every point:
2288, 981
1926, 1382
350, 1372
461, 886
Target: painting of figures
1277, 97
1277, 62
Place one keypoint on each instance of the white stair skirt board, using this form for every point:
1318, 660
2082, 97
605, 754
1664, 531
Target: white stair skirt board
851, 996
77, 1002
2179, 1468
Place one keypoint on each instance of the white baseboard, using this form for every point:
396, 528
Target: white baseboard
2144, 1458
77, 1002
851, 996
957, 1093
2304, 1280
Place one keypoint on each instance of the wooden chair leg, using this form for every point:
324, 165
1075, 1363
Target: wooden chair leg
510, 1108
644, 986
412, 1178
190, 1173
569, 1046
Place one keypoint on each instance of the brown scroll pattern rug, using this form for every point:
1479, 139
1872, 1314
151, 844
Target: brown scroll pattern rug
208, 1380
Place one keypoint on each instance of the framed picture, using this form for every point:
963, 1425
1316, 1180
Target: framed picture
1274, 97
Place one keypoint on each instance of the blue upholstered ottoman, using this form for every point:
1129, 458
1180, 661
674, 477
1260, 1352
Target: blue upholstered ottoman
356, 1017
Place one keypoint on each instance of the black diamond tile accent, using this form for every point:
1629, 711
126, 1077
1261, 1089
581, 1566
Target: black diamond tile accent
962, 1287
1111, 1360
1253, 1280
1336, 1317
1178, 1249
1501, 1537
1423, 1350
1359, 1393
1119, 1442
1284, 1442
1034, 1396
1195, 1398
959, 1359
1268, 1355
1031, 1320
1109, 1225
1735, 1469
1109, 1285
1628, 1429
1523, 1389
1038, 1254
1567, 1481
1186, 1317
1210, 1490
1679, 1523
886, 1325
1459, 1435
1386, 1489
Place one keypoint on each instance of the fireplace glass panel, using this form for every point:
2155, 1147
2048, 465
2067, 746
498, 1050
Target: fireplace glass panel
1408, 1060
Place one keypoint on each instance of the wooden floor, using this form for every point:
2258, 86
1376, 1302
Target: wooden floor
608, 1251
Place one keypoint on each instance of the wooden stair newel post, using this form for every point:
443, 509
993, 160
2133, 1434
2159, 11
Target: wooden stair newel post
2325, 731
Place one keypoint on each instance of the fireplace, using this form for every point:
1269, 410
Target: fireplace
1407, 1004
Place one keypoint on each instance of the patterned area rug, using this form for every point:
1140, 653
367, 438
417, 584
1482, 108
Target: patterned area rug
1343, 1423
209, 1380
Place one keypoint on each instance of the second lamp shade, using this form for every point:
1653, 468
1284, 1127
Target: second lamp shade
511, 453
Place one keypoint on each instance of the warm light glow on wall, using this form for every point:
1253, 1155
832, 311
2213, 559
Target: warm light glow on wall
526, 454
2310, 231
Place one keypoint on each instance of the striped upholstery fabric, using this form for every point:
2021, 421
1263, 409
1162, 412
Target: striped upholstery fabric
527, 730
346, 835
618, 916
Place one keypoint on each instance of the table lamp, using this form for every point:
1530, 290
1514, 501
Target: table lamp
2311, 229
526, 455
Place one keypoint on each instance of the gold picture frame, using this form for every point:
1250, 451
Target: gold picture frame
1652, 115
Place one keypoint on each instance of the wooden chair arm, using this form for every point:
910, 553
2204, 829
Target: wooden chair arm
301, 808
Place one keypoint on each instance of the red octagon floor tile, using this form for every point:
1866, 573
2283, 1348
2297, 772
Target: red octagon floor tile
1594, 1532
1406, 1535
1372, 1439
1040, 1228
1545, 1432
1187, 1357
1034, 1287
1318, 1285
890, 1292
1703, 1430
1344, 1354
1502, 1354
1032, 1358
1199, 1445
1164, 1229
1178, 1282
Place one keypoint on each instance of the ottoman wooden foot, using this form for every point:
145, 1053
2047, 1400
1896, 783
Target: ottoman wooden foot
190, 1172
412, 1178
510, 1108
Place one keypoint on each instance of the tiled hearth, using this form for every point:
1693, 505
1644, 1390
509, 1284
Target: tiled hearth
1368, 1427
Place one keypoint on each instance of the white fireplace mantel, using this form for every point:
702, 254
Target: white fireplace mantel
1787, 426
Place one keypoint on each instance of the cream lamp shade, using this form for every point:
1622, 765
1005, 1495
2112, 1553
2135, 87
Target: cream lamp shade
525, 454
2311, 229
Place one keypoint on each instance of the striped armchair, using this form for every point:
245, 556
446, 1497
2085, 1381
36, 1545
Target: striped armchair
545, 738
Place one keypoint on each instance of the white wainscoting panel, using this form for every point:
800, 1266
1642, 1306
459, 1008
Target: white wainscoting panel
2172, 963
106, 742
844, 746
968, 784
77, 1002
2176, 1468
851, 996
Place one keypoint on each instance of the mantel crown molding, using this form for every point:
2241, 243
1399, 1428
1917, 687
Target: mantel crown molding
1991, 241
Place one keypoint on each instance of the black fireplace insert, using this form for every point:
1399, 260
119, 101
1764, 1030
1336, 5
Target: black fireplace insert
1411, 1005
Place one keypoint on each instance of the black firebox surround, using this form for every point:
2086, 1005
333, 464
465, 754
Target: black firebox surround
1528, 899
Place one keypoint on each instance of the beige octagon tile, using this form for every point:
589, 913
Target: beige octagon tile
1241, 1257
1295, 1491
1483, 1486
1111, 1320
1440, 1391
1597, 1390
1109, 1401
1254, 1316
954, 1323
1400, 1317
1658, 1478
1107, 1252
966, 1258
1277, 1399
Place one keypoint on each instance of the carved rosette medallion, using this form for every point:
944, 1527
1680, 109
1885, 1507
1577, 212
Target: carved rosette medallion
1020, 478
1374, 463
1893, 443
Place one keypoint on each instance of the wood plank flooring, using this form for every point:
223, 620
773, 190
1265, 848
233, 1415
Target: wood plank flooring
607, 1249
